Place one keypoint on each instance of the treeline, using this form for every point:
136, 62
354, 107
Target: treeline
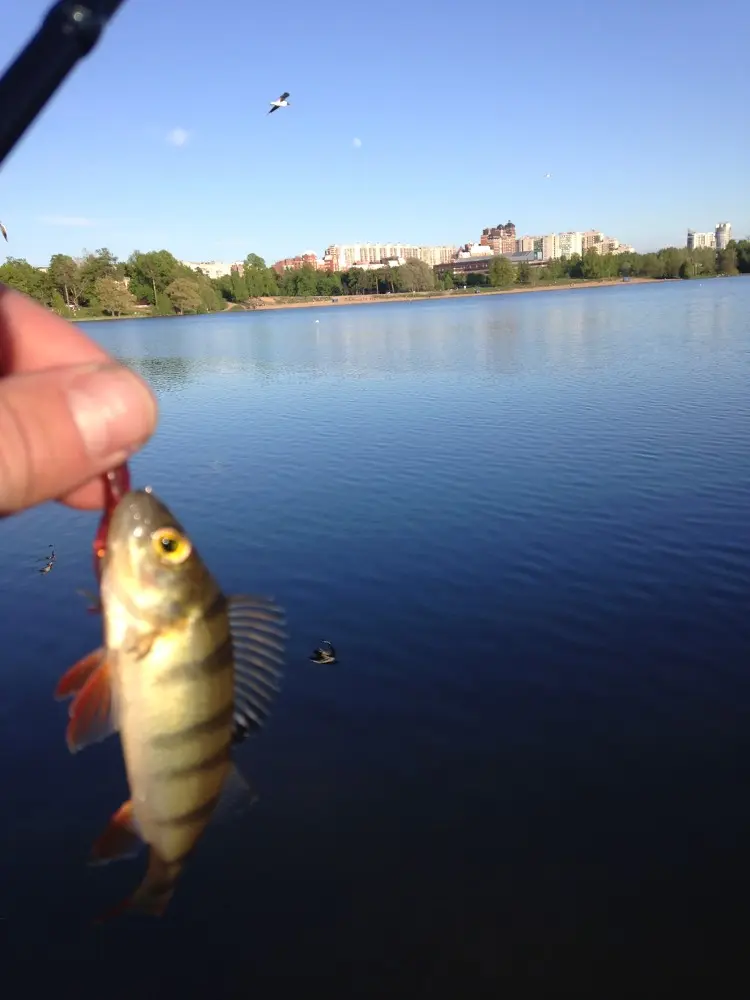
156, 283
671, 262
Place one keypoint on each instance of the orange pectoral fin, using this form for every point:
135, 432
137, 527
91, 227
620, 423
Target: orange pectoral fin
121, 839
74, 679
92, 715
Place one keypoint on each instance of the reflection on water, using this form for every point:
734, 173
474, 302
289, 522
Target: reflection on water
522, 520
502, 334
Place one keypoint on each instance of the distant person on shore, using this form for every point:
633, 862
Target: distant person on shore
68, 411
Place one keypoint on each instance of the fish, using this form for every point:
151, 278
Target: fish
183, 674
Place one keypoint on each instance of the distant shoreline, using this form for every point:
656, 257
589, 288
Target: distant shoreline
347, 300
269, 303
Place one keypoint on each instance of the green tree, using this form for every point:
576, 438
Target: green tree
150, 273
185, 295
100, 264
650, 266
704, 260
592, 265
502, 272
239, 286
671, 260
523, 273
113, 296
726, 261
24, 277
302, 281
259, 279
225, 288
65, 276
328, 283
416, 276
742, 249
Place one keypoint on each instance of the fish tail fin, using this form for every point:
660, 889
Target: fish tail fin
153, 895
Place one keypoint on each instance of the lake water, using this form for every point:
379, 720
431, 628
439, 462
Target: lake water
523, 521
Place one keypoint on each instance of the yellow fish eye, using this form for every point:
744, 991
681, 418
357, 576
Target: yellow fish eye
171, 546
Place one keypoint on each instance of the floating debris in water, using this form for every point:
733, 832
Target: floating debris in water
322, 655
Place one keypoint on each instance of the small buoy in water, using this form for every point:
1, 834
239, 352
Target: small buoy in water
324, 655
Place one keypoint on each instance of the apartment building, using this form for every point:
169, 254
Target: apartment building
214, 268
548, 247
697, 241
340, 257
308, 259
570, 243
723, 234
500, 238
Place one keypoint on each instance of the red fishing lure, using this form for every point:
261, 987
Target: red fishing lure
116, 485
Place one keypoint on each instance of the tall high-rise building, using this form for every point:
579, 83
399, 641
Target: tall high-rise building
570, 243
723, 234
547, 246
697, 241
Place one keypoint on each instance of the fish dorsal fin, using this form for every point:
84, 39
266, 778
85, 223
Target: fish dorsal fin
256, 624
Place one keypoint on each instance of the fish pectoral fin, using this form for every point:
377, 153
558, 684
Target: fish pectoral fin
74, 679
121, 839
256, 624
92, 713
138, 644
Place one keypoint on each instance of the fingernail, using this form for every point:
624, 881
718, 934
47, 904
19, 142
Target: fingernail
113, 409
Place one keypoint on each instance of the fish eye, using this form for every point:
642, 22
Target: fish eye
171, 546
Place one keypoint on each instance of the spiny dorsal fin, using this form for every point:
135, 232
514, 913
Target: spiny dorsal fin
256, 624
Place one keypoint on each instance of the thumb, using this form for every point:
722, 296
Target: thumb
62, 427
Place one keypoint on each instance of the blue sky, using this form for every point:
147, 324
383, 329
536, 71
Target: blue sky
636, 109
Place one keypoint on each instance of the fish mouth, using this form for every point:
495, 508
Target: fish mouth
139, 512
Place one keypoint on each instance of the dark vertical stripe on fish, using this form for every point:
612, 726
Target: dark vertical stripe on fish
193, 816
216, 608
215, 722
210, 665
205, 764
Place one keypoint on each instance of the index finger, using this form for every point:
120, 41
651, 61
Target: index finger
33, 338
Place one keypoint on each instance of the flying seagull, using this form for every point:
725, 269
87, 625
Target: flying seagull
4, 231
281, 103
547, 176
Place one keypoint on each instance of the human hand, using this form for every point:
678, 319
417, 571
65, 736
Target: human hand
68, 411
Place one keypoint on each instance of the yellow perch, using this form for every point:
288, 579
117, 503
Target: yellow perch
183, 673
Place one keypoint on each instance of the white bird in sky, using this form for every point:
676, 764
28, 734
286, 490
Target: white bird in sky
547, 175
281, 103
4, 231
